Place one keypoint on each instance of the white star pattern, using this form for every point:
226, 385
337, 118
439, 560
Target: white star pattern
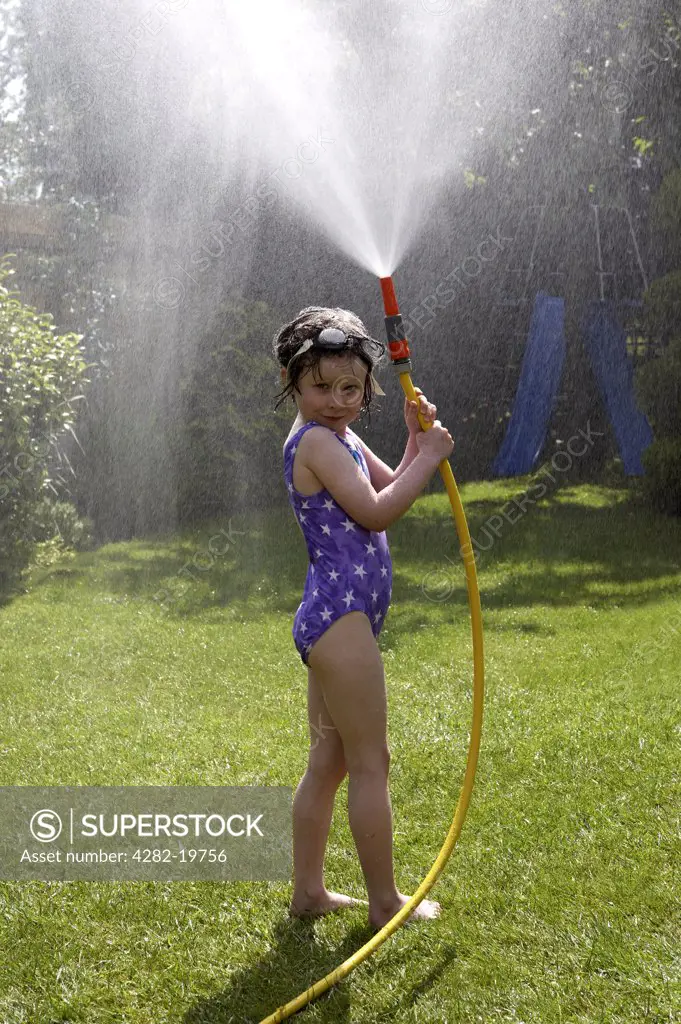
349, 549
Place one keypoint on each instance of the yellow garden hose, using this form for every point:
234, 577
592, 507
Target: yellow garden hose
400, 354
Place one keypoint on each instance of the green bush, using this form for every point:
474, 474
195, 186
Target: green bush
225, 410
40, 375
663, 306
662, 481
658, 388
60, 520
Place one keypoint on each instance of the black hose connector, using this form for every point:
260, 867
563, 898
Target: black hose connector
395, 328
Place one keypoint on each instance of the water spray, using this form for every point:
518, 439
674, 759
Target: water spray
400, 355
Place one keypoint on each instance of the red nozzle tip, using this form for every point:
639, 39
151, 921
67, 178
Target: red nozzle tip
389, 297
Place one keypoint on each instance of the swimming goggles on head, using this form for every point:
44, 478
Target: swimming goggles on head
331, 339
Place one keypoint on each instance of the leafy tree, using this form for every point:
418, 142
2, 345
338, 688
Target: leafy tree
658, 381
107, 127
40, 378
227, 450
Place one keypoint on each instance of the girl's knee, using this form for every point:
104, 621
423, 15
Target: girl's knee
328, 774
327, 762
369, 761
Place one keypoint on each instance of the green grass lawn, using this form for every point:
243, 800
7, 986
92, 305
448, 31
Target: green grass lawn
562, 898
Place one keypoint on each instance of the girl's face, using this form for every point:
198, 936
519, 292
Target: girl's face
334, 399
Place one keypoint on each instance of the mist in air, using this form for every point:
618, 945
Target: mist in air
286, 150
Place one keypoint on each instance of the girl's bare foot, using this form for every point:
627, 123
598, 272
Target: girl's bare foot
326, 903
425, 909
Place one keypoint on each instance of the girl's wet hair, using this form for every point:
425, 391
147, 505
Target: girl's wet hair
309, 322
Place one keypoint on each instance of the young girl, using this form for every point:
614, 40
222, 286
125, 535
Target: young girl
344, 498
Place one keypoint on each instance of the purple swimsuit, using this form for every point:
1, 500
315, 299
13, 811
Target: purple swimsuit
350, 567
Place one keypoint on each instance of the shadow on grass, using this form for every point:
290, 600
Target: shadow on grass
565, 554
255, 993
559, 553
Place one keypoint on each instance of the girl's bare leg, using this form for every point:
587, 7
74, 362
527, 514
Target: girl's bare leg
313, 810
347, 665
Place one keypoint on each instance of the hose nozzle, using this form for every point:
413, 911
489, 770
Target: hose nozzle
397, 339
